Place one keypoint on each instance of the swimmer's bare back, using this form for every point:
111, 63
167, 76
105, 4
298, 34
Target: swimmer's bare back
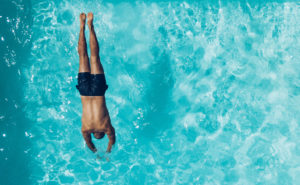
92, 86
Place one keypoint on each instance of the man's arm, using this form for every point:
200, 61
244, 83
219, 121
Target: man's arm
112, 138
88, 139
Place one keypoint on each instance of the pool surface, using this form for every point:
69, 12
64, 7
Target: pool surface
201, 92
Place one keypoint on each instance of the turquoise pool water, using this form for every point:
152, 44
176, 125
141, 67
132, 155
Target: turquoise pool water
199, 92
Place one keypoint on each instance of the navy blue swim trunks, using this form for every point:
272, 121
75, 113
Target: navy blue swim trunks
91, 84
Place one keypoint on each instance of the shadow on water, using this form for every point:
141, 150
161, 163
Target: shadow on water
158, 117
158, 99
14, 48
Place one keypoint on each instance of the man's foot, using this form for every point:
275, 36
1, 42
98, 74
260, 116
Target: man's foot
90, 17
82, 20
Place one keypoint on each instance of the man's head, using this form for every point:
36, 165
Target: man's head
99, 135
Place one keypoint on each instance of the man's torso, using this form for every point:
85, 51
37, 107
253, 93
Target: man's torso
94, 112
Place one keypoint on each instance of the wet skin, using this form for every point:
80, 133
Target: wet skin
95, 116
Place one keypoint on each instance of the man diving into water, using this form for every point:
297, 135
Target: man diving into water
92, 86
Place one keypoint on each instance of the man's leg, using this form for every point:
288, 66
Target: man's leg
84, 65
95, 59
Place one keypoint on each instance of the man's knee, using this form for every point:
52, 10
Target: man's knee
81, 49
94, 50
94, 58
